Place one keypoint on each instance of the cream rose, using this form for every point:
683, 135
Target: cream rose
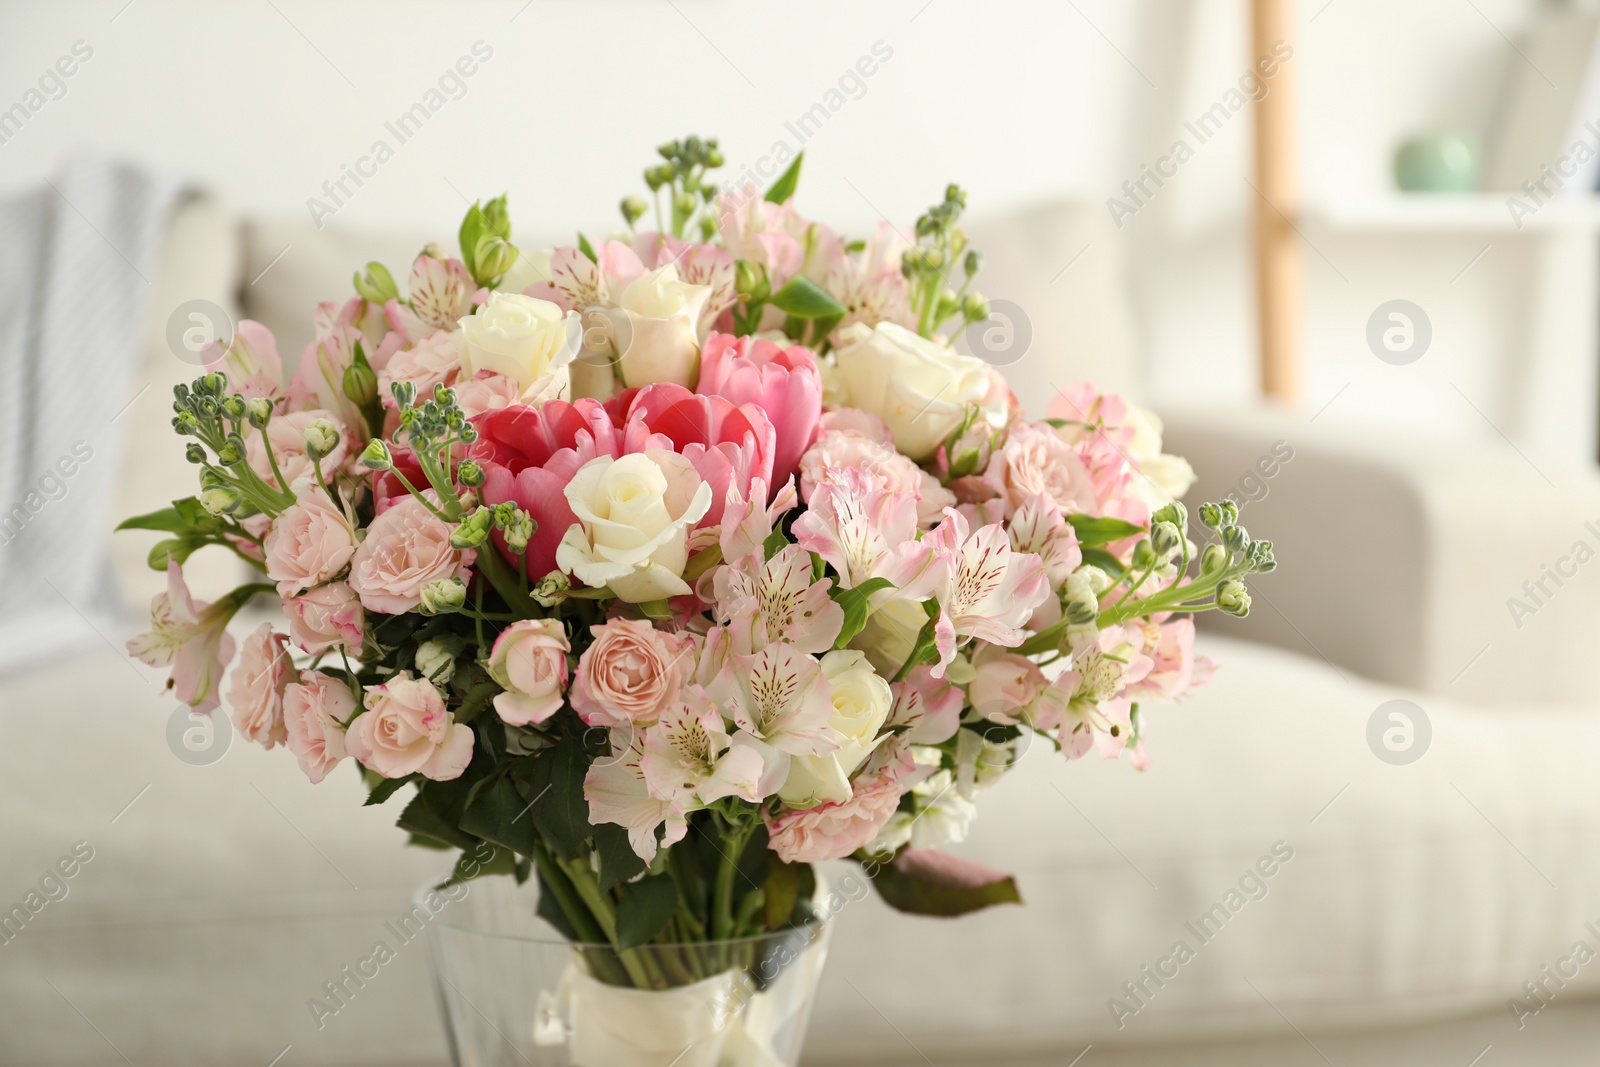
921, 389
634, 516
521, 337
861, 702
890, 634
529, 660
656, 329
407, 728
1166, 477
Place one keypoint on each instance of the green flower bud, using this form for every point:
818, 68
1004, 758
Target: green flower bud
194, 453
434, 662
1230, 511
405, 395
1234, 599
1213, 560
494, 256
219, 501
750, 281
259, 411
212, 385
1261, 558
714, 159
1144, 554
552, 589
1081, 609
473, 531
1174, 513
975, 308
1211, 515
322, 436
1235, 538
233, 406
361, 383
973, 263
232, 452
377, 284
496, 217
1165, 539
469, 474
186, 423
443, 596
683, 203
633, 208
376, 456
519, 530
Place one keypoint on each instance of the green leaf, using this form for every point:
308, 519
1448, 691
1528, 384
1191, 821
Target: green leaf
471, 866
803, 298
618, 861
179, 518
1101, 531
775, 543
929, 882
784, 187
780, 891
1099, 557
387, 788
645, 910
586, 248
553, 782
436, 812
926, 648
854, 603
498, 813
477, 699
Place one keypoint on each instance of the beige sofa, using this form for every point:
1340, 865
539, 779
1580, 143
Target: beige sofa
1378, 913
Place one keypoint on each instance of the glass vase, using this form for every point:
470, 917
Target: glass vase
513, 991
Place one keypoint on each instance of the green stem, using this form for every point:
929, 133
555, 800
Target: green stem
722, 914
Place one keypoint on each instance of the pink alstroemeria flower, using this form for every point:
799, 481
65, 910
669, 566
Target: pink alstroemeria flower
191, 637
730, 445
779, 696
690, 758
318, 381
765, 601
783, 382
250, 361
440, 290
618, 793
854, 525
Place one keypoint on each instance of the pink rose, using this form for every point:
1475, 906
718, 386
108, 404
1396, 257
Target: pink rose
783, 382
839, 450
1035, 460
326, 616
256, 691
309, 543
406, 728
406, 547
631, 673
1004, 685
487, 392
314, 709
833, 831
288, 436
530, 660
434, 360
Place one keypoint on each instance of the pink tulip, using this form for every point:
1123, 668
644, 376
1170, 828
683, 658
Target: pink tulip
729, 444
783, 382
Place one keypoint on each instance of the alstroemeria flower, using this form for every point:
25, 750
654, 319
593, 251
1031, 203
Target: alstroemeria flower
690, 758
764, 601
250, 361
1175, 668
618, 793
854, 525
783, 382
191, 637
928, 707
729, 444
441, 291
1039, 527
779, 696
869, 283
698, 264
318, 380
1088, 705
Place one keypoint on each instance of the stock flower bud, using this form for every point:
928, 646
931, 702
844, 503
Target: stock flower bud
376, 456
443, 596
376, 285
1212, 560
194, 453
973, 264
1235, 538
321, 438
1174, 513
1261, 558
1230, 511
518, 530
472, 531
1144, 554
1081, 608
186, 423
552, 589
219, 500
975, 308
435, 663
1211, 515
1165, 538
469, 474
633, 208
232, 453
233, 406
468, 501
1234, 599
212, 384
259, 411
361, 383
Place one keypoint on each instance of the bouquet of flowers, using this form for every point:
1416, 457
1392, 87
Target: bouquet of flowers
666, 567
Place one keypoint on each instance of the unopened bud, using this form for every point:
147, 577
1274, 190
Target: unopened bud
1081, 608
1144, 555
361, 383
213, 384
434, 662
1211, 515
1165, 539
194, 453
493, 256
975, 308
186, 423
219, 500
472, 531
519, 530
259, 411
1235, 538
468, 499
233, 406
750, 280
1230, 511
321, 437
1234, 599
376, 455
376, 285
405, 395
973, 264
469, 474
552, 589
443, 596
1212, 560
1174, 513
1261, 558
232, 453
633, 208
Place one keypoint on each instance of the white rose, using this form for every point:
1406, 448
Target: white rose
523, 338
655, 329
1166, 477
861, 702
919, 388
634, 516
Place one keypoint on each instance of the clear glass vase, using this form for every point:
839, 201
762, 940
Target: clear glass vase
514, 992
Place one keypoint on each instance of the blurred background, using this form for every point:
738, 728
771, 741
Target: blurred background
1346, 248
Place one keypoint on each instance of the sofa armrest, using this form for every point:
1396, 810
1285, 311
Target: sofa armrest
1452, 567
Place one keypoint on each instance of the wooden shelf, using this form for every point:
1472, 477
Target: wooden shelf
1448, 213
